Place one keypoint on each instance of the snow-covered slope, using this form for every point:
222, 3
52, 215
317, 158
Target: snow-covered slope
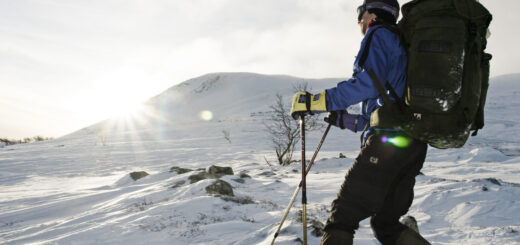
227, 95
76, 189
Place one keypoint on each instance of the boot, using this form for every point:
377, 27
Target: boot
410, 237
337, 237
411, 222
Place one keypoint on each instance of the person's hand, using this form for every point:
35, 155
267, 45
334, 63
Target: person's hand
304, 103
343, 120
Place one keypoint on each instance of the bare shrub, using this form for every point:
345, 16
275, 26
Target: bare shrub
284, 131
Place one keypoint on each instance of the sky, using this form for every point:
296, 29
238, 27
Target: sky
66, 64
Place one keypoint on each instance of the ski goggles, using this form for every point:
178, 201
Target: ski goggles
360, 11
377, 5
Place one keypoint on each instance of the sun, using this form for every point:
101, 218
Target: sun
121, 100
124, 107
90, 109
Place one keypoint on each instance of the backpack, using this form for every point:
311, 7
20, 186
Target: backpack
447, 76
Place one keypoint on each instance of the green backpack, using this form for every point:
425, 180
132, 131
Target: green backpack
448, 73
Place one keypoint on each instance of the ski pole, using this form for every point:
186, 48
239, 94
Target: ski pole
291, 202
304, 184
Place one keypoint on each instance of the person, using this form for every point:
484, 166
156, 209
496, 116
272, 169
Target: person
380, 182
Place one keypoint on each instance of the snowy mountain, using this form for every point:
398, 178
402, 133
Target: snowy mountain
77, 189
227, 95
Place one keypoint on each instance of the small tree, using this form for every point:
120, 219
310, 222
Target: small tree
298, 87
285, 131
38, 138
227, 135
7, 141
102, 136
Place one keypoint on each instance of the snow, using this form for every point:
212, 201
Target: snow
77, 189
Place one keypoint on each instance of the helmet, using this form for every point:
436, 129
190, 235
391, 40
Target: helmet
390, 6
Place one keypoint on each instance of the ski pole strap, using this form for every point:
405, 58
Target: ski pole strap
308, 98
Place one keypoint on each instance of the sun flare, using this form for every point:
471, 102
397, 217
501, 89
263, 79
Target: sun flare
125, 109
206, 115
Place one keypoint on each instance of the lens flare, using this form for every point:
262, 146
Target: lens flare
206, 115
384, 139
398, 141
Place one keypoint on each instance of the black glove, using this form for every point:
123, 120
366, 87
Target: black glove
343, 120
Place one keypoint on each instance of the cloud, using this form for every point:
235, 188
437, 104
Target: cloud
65, 49
290, 37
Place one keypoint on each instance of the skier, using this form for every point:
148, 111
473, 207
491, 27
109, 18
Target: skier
380, 183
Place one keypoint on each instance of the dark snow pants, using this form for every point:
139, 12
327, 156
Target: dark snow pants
378, 185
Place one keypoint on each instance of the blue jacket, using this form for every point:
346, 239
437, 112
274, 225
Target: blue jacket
387, 57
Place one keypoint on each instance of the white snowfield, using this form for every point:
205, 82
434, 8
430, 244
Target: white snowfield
77, 189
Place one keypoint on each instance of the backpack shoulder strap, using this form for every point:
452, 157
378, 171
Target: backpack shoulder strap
378, 86
371, 72
366, 50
